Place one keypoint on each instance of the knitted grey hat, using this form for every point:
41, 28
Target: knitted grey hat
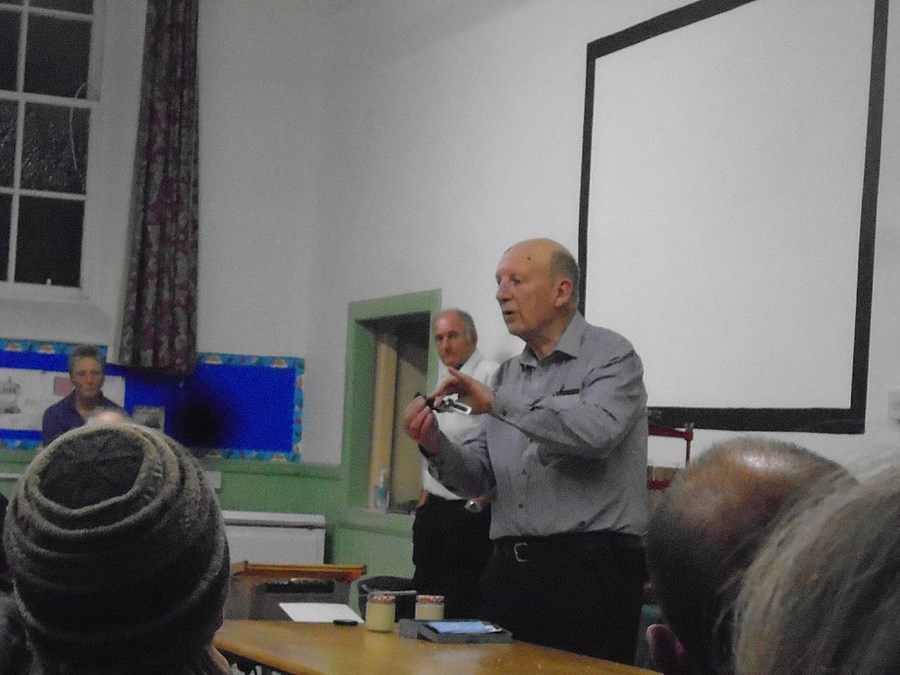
118, 553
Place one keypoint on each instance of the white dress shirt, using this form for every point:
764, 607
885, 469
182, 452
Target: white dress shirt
456, 426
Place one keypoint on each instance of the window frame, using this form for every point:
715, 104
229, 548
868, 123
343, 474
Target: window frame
11, 289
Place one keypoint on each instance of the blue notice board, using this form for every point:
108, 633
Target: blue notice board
233, 405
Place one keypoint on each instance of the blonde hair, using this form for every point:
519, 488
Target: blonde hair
823, 594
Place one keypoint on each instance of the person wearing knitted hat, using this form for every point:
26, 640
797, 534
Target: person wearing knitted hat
118, 555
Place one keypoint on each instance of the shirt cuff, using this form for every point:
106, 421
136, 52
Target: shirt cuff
499, 405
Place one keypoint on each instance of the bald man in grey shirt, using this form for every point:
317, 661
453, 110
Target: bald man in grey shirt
565, 446
571, 460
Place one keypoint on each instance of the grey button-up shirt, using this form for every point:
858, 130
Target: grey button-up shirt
566, 442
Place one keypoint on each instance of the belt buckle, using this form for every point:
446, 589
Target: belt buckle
473, 506
520, 551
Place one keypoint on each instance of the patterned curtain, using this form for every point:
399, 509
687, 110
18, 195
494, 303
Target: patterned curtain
159, 325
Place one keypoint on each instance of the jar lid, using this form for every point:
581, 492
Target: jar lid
430, 598
382, 598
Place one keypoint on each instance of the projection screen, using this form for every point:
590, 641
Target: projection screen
728, 202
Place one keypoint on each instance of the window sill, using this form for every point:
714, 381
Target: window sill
75, 321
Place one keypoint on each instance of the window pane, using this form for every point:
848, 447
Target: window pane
49, 241
54, 152
5, 219
9, 49
80, 6
56, 56
7, 141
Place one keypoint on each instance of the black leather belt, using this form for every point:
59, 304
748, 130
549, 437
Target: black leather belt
556, 546
437, 498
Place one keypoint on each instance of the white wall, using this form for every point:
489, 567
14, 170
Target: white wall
456, 130
354, 149
259, 111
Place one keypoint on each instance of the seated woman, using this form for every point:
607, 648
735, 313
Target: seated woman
118, 555
86, 371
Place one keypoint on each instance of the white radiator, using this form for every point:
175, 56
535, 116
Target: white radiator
275, 538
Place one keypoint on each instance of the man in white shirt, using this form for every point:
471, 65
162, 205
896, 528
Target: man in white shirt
450, 534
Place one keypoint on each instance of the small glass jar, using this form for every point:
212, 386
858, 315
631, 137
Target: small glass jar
380, 613
429, 608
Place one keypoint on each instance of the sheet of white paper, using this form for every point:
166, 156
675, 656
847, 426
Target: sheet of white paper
319, 612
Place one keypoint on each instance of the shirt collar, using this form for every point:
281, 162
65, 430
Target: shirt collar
569, 344
471, 363
467, 368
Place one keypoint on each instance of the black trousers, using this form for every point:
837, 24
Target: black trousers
450, 549
578, 592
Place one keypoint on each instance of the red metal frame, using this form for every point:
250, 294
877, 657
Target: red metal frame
687, 434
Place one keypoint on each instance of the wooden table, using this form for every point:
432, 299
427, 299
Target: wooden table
325, 649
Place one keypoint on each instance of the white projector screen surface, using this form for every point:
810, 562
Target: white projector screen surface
722, 226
